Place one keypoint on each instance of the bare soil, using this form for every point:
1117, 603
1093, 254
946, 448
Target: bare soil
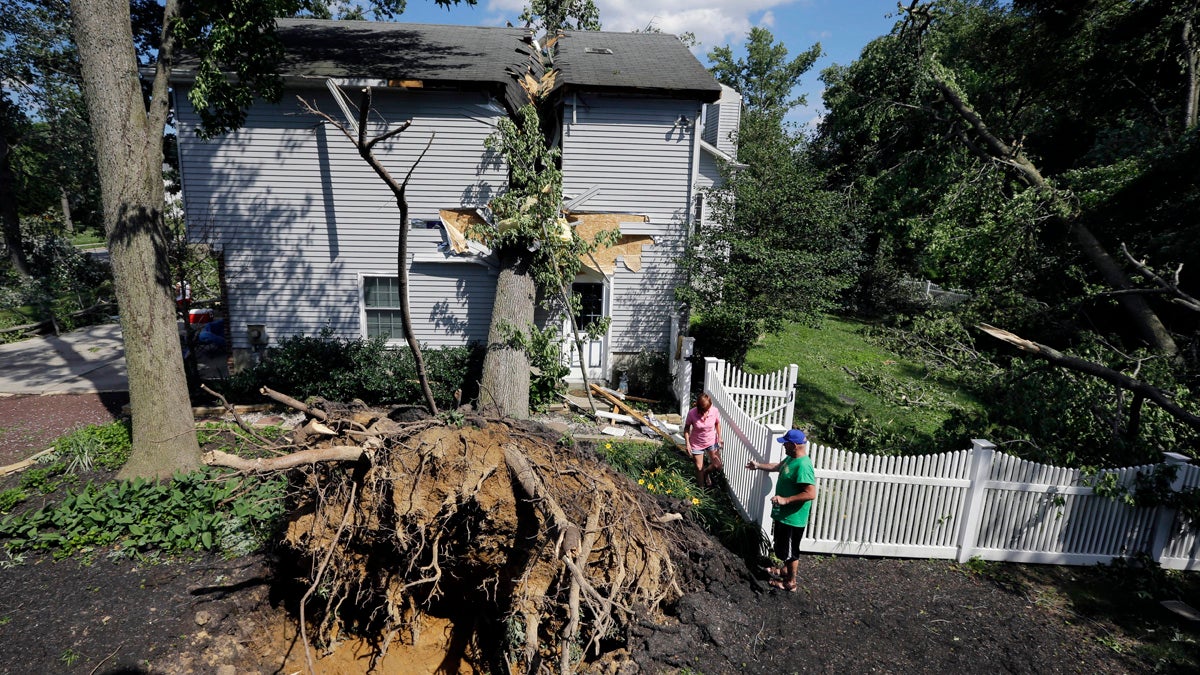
209, 615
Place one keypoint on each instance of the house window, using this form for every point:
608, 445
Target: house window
381, 296
591, 306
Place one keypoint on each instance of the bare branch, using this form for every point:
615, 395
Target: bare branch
293, 403
340, 453
1105, 373
1164, 286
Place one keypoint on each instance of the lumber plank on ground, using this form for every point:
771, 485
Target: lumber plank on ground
618, 404
615, 416
24, 464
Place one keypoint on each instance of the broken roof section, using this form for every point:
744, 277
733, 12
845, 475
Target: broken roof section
651, 63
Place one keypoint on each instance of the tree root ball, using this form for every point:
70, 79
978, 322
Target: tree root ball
540, 555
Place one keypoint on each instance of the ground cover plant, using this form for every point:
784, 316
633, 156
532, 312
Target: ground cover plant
81, 509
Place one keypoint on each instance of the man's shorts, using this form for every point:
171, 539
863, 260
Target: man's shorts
787, 541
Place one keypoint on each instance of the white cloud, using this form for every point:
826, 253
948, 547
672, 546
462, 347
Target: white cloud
714, 22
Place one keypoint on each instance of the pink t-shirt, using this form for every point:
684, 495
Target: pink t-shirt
703, 433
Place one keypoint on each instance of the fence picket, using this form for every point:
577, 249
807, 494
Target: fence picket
917, 506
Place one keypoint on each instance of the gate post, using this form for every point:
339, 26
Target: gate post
774, 454
978, 465
1165, 518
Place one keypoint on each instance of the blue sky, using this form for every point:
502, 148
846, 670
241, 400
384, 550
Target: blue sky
842, 27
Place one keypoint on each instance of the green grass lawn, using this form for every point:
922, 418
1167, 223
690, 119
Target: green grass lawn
842, 371
87, 240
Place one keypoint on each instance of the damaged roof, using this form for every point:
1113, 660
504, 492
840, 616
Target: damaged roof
653, 63
485, 57
436, 55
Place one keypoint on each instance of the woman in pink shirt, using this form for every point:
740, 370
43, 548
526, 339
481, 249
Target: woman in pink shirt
702, 435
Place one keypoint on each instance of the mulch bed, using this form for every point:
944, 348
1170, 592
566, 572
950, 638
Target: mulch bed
209, 615
29, 424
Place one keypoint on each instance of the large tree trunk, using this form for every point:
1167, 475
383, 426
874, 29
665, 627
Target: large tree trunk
1145, 320
10, 221
129, 155
505, 382
1191, 55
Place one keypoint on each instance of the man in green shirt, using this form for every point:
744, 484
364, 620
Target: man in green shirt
794, 492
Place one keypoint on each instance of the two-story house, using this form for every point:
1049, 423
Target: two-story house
307, 233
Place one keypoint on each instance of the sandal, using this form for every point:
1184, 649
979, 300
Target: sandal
790, 586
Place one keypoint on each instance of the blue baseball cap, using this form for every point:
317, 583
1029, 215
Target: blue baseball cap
795, 436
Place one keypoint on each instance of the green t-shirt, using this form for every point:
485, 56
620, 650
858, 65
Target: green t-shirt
794, 474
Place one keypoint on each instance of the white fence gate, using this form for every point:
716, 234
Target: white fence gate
953, 505
755, 410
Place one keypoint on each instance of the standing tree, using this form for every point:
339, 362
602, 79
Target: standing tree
550, 16
238, 53
780, 244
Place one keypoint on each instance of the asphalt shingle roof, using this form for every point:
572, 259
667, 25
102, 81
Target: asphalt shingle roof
487, 57
655, 63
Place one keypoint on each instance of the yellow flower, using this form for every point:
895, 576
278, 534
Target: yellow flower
608, 446
695, 501
650, 486
641, 481
668, 492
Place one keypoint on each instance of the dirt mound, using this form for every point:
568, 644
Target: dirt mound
515, 551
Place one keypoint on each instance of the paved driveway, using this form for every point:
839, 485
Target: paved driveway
90, 359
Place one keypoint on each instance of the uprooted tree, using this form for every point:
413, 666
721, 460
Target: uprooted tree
538, 554
537, 250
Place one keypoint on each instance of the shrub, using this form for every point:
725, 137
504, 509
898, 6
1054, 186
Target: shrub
96, 446
341, 370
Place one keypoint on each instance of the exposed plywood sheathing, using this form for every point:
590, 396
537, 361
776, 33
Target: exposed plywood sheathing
457, 222
628, 247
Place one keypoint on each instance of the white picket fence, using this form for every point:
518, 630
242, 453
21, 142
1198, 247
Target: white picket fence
955, 505
768, 399
749, 432
983, 503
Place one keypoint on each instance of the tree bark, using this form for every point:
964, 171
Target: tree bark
1144, 318
1139, 388
129, 141
505, 383
10, 221
1191, 55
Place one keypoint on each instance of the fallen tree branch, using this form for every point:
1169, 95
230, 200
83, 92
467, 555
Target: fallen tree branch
1096, 370
293, 403
236, 417
341, 453
618, 404
1168, 287
25, 463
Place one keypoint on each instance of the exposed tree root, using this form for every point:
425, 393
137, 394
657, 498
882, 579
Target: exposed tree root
478, 525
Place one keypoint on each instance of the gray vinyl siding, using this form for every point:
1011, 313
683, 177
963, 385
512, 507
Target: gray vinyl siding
641, 160
301, 217
722, 120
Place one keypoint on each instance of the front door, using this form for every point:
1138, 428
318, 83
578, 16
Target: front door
593, 295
